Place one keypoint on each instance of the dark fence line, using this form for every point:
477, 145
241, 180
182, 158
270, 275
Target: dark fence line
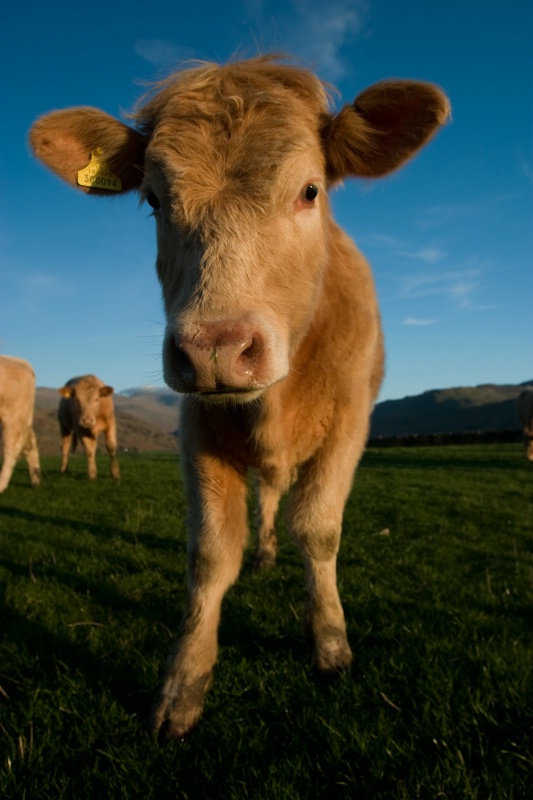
431, 439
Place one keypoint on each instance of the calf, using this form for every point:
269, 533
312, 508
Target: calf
17, 399
273, 330
85, 411
525, 415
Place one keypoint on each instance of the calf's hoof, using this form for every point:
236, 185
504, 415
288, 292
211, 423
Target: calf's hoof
176, 710
265, 560
332, 654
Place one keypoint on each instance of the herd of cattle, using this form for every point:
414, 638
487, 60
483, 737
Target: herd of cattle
273, 329
85, 411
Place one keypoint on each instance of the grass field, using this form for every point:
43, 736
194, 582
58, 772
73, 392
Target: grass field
436, 578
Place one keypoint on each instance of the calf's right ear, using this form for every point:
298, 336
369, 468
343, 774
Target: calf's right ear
66, 391
90, 150
384, 127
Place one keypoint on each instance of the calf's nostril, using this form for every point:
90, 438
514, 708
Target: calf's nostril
184, 364
249, 357
178, 362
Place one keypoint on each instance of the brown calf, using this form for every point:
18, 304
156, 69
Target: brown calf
17, 399
525, 415
273, 329
85, 411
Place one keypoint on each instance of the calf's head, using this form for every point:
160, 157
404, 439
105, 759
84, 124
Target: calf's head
86, 394
235, 162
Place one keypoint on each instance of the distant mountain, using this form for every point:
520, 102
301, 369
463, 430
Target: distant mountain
485, 408
148, 418
158, 406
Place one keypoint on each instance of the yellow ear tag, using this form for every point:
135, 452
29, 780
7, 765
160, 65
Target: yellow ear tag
97, 174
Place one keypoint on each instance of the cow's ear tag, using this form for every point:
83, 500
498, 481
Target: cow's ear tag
97, 174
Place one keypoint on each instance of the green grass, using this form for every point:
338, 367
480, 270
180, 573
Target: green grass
436, 577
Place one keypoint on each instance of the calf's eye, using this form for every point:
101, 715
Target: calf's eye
310, 192
152, 201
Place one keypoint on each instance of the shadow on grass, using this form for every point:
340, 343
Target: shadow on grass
73, 527
40, 652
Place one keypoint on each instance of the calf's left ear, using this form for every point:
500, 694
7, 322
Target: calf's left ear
90, 150
384, 127
105, 391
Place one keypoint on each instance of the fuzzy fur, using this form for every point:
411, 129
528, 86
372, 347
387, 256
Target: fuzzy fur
273, 329
17, 399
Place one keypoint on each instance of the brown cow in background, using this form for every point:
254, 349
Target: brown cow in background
85, 411
17, 400
273, 329
525, 415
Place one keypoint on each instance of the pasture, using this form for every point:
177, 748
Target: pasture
436, 579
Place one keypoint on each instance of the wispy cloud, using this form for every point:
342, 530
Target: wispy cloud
459, 282
430, 255
23, 283
39, 281
445, 215
321, 30
458, 286
162, 53
414, 321
313, 31
525, 167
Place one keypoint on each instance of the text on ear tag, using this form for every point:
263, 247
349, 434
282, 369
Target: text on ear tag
98, 175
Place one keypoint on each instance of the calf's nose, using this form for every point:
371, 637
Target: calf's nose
220, 356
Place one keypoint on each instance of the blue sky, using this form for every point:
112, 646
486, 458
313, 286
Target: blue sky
450, 236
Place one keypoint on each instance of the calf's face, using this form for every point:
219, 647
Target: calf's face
241, 269
86, 396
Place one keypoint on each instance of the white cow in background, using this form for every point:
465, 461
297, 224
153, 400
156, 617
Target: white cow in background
17, 398
525, 413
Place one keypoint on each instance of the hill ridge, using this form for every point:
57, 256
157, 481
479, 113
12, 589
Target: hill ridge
148, 418
487, 407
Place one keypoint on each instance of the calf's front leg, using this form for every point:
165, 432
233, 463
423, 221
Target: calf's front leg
267, 540
89, 445
217, 533
31, 454
316, 511
111, 447
66, 447
13, 441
